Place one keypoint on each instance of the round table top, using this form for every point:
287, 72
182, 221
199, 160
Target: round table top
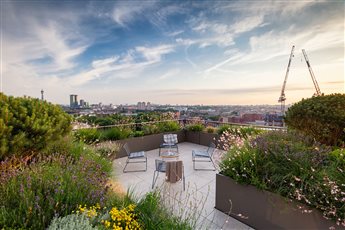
170, 154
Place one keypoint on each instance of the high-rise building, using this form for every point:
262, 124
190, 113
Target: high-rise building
73, 101
148, 106
42, 92
82, 103
141, 106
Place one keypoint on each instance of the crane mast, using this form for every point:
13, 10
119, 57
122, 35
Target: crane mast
316, 85
282, 97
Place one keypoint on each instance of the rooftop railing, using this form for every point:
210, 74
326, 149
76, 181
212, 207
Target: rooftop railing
183, 123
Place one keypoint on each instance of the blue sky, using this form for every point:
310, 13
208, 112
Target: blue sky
176, 52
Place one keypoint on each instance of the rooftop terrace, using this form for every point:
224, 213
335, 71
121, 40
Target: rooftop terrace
198, 198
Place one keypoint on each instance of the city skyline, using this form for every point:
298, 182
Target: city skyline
203, 52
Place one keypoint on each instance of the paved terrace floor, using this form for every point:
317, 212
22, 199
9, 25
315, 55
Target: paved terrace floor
197, 200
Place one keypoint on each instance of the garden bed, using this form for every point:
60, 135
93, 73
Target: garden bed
265, 210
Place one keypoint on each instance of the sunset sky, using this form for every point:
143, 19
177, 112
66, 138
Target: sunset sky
175, 52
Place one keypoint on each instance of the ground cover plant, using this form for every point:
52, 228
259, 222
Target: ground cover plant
293, 165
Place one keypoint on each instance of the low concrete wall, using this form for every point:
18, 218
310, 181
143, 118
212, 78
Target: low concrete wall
265, 210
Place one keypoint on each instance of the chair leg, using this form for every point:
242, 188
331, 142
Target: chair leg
154, 179
125, 166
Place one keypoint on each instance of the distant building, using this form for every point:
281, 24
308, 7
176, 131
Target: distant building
141, 106
73, 101
148, 106
252, 117
82, 103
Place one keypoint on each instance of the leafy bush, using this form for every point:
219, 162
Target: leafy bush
195, 128
321, 117
51, 186
28, 124
115, 134
150, 129
153, 215
210, 129
107, 149
138, 133
148, 213
243, 132
294, 166
87, 136
223, 128
168, 126
71, 222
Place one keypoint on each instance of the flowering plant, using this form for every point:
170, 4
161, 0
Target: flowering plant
293, 166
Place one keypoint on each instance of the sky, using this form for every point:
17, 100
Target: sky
171, 52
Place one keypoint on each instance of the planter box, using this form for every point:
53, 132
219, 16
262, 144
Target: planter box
200, 138
146, 143
265, 210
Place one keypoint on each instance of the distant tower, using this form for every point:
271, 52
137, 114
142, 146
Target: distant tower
42, 92
73, 101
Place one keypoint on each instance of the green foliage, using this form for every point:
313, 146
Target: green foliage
153, 215
71, 222
294, 166
138, 133
150, 129
168, 126
195, 128
107, 149
115, 134
52, 186
28, 124
223, 128
87, 136
242, 132
322, 117
210, 129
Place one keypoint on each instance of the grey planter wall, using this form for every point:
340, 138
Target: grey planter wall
146, 143
200, 138
150, 142
265, 210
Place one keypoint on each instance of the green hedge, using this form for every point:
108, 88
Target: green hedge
28, 124
321, 117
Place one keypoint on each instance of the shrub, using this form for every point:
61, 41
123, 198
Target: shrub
195, 128
150, 129
138, 133
148, 213
223, 128
107, 149
111, 134
53, 186
71, 222
322, 117
210, 129
87, 136
168, 126
294, 166
242, 132
28, 124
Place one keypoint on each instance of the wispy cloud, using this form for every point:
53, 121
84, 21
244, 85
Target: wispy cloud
127, 65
